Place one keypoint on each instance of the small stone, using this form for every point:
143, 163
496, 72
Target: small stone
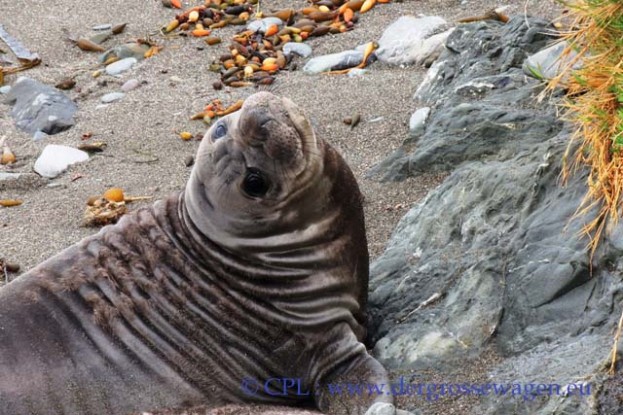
9, 176
130, 85
357, 72
102, 27
217, 85
66, 84
5, 89
176, 80
56, 158
19, 181
550, 62
112, 97
39, 135
335, 61
263, 24
100, 37
300, 49
381, 408
118, 67
128, 50
417, 122
189, 161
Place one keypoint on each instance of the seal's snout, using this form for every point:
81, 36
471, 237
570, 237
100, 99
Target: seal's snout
266, 116
276, 125
255, 124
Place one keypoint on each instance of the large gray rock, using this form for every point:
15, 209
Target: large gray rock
494, 257
413, 40
39, 107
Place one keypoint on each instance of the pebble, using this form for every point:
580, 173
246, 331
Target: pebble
103, 27
5, 89
120, 66
189, 161
263, 24
176, 80
56, 158
130, 85
381, 408
100, 37
300, 49
550, 62
356, 72
324, 63
39, 135
128, 50
417, 122
112, 97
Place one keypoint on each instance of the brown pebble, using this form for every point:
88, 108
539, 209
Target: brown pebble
189, 161
118, 28
218, 85
66, 84
347, 121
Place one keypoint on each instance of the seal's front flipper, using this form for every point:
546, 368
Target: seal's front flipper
354, 387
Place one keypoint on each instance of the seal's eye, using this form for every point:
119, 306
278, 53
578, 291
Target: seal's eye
220, 131
254, 184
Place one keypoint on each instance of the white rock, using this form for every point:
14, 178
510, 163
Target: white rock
5, 89
263, 24
130, 85
357, 72
55, 159
39, 135
112, 97
349, 58
417, 122
120, 66
549, 62
107, 26
300, 49
412, 40
381, 408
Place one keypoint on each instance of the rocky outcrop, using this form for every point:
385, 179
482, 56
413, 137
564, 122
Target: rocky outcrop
494, 257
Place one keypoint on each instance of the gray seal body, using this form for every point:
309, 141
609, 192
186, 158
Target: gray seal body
257, 270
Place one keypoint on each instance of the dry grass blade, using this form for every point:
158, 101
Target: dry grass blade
617, 336
595, 104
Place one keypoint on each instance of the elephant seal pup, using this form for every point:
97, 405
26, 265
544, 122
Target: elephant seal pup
257, 271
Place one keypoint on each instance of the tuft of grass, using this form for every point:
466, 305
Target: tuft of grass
594, 100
